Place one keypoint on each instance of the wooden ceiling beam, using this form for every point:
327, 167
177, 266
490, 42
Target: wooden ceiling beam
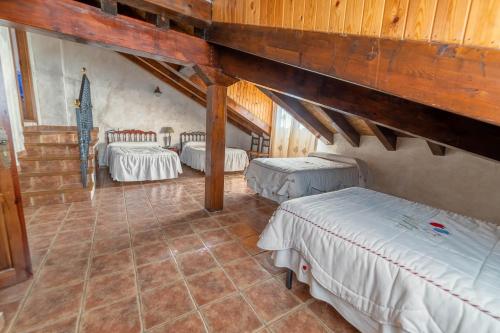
193, 12
301, 114
411, 118
387, 137
109, 7
342, 125
461, 79
237, 115
436, 149
71, 20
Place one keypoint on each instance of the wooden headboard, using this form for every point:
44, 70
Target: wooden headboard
192, 137
131, 135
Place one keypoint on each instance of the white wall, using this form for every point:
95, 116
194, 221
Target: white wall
458, 182
122, 92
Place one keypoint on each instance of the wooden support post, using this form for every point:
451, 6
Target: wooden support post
215, 151
215, 148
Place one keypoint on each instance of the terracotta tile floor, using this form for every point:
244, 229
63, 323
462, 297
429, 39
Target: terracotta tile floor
146, 257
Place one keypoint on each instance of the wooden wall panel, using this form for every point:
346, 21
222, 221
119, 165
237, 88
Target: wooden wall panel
372, 17
353, 17
470, 22
450, 20
337, 16
483, 27
394, 18
250, 97
420, 19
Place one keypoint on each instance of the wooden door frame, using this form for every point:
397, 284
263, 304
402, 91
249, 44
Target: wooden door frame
28, 103
11, 206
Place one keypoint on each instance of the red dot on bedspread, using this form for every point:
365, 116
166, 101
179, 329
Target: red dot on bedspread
304, 267
437, 225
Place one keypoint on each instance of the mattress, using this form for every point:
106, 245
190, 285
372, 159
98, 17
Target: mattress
405, 266
141, 161
193, 155
281, 179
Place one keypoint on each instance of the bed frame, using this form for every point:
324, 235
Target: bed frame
197, 136
131, 135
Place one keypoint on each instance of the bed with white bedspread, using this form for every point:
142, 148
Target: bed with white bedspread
391, 265
281, 179
193, 153
139, 160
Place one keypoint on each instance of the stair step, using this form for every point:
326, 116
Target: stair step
53, 173
54, 134
64, 194
56, 148
58, 157
53, 181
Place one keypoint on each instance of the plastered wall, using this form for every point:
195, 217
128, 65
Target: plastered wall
458, 182
122, 93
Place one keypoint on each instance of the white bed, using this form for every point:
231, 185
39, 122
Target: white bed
193, 155
281, 179
391, 265
140, 161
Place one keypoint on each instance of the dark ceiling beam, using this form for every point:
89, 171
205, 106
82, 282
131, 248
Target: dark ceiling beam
71, 20
301, 114
436, 149
390, 111
461, 79
237, 115
387, 137
193, 12
342, 125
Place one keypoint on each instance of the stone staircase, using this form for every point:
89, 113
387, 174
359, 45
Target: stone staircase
50, 166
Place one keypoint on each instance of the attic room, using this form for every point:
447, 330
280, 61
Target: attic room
249, 166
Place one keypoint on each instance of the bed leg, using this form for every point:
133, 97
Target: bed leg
289, 277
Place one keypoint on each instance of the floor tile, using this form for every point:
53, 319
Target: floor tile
151, 252
147, 237
299, 289
246, 272
109, 288
241, 230
157, 274
331, 317
177, 230
270, 299
204, 224
68, 253
15, 292
214, 237
120, 317
165, 303
50, 305
250, 244
65, 238
77, 224
238, 316
62, 274
228, 251
185, 244
67, 325
196, 262
110, 245
111, 263
209, 286
301, 321
190, 323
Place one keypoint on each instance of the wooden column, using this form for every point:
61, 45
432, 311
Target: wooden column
215, 149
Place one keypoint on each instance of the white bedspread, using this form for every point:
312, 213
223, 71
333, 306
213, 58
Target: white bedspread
409, 267
281, 179
138, 161
193, 154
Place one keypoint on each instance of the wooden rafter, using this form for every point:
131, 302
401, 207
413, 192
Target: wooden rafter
387, 137
436, 149
301, 114
390, 111
342, 125
68, 19
194, 12
236, 113
428, 73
